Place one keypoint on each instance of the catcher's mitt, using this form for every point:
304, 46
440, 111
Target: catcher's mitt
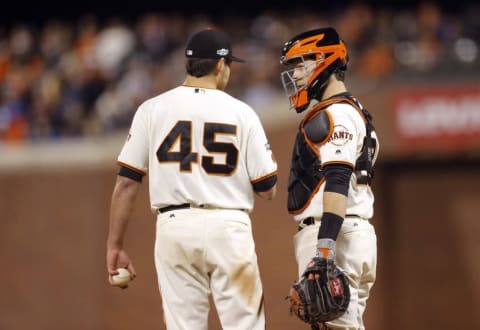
321, 295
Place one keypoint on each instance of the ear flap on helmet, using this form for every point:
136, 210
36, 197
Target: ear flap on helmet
317, 87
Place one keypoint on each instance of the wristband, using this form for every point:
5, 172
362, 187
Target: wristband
330, 226
326, 248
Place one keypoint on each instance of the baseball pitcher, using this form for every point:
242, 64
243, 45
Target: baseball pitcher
206, 155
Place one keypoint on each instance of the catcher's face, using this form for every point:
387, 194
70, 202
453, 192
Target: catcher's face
296, 77
302, 72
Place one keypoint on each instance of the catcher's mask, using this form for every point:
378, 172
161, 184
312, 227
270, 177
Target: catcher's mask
311, 58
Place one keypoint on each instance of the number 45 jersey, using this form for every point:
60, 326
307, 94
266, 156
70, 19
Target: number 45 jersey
199, 146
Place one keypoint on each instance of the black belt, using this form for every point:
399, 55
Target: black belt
306, 222
187, 206
173, 207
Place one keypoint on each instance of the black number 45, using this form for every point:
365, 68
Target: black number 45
182, 133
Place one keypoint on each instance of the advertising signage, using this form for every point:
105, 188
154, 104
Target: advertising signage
437, 117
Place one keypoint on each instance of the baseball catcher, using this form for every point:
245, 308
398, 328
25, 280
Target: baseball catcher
322, 294
329, 185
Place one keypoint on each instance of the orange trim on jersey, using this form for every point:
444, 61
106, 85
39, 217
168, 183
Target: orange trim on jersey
314, 192
343, 100
339, 163
132, 168
264, 177
315, 109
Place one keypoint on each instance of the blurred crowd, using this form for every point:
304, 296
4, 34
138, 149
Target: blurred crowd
87, 77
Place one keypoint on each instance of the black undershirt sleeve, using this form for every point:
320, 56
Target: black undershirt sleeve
330, 226
265, 184
337, 178
129, 173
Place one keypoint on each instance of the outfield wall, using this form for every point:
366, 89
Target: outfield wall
54, 201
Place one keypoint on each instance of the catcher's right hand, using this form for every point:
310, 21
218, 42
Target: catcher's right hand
321, 295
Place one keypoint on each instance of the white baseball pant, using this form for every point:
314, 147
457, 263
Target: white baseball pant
356, 254
208, 251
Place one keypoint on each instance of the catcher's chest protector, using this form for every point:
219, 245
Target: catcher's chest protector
306, 174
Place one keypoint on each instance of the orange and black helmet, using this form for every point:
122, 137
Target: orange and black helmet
330, 54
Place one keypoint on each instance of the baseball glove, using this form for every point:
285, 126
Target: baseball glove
321, 295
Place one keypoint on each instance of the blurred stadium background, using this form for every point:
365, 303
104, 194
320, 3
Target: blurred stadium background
71, 78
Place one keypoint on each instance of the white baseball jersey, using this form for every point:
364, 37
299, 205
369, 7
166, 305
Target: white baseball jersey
344, 146
199, 146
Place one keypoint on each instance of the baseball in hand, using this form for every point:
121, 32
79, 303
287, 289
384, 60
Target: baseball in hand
122, 278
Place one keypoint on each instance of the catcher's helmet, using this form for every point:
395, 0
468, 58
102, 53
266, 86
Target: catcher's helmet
330, 54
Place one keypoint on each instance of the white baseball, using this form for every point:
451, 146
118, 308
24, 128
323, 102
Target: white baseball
122, 278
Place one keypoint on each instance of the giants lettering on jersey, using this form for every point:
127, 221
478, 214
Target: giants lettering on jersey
340, 136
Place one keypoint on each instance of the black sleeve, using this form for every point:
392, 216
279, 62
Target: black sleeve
330, 226
129, 173
265, 184
337, 178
